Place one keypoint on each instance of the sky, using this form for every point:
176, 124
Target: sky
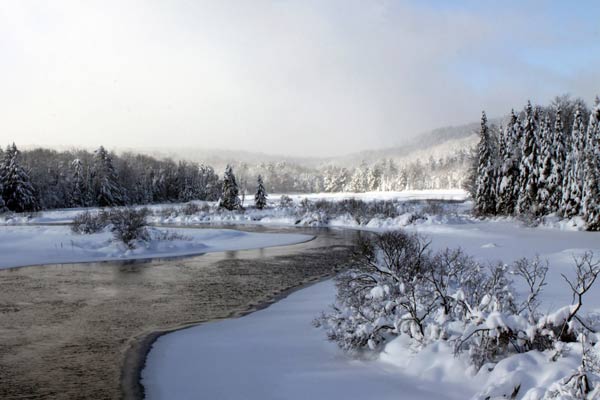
302, 78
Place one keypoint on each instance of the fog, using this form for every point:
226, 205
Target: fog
304, 78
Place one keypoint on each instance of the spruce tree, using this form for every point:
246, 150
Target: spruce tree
528, 178
545, 169
260, 198
79, 197
573, 183
591, 186
17, 191
230, 193
2, 204
555, 181
509, 169
484, 183
107, 190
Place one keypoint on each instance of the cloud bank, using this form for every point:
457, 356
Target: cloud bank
293, 77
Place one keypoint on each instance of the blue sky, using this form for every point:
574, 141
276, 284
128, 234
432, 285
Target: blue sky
298, 77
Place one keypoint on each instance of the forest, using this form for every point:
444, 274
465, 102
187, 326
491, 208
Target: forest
42, 179
546, 160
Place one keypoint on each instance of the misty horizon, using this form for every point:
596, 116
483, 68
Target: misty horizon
304, 79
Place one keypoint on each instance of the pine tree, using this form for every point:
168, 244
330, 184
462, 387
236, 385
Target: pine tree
230, 193
509, 169
260, 198
573, 183
546, 158
484, 183
79, 197
2, 204
17, 191
555, 181
528, 178
591, 186
107, 190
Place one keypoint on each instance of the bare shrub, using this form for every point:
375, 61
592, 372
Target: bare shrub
192, 208
129, 225
396, 286
88, 222
285, 201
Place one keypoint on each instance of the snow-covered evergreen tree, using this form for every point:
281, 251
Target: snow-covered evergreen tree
546, 157
555, 181
107, 190
17, 191
230, 199
79, 196
528, 178
485, 183
260, 198
591, 185
573, 183
2, 204
509, 169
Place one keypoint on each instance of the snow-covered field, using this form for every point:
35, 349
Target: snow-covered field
273, 354
32, 245
272, 215
406, 195
276, 353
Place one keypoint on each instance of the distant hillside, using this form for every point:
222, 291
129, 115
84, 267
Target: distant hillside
437, 144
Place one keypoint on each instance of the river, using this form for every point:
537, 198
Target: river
81, 331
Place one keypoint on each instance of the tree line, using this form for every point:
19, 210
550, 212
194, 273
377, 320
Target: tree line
43, 179
546, 160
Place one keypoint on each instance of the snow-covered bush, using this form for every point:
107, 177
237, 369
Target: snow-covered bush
192, 208
396, 286
89, 222
285, 201
129, 225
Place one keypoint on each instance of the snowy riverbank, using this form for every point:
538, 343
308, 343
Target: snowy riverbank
277, 354
32, 245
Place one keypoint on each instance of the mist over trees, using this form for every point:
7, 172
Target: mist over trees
545, 161
448, 172
49, 179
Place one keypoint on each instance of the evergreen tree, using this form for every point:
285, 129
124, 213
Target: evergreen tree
546, 158
17, 191
528, 178
2, 204
230, 193
573, 183
591, 186
79, 197
107, 190
509, 169
260, 198
484, 184
555, 181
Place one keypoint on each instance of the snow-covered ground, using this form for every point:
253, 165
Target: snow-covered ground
277, 354
273, 354
268, 216
32, 245
406, 195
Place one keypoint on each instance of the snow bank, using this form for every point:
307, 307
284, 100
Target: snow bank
275, 353
406, 195
32, 245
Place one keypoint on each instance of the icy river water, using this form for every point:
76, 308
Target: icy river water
81, 331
